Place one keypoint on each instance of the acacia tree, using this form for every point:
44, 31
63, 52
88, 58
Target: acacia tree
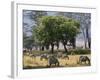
69, 30
55, 29
85, 23
46, 31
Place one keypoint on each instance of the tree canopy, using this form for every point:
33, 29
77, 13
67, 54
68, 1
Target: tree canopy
54, 29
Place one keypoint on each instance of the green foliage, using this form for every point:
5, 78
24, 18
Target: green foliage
53, 29
80, 51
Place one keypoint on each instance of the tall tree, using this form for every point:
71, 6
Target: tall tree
69, 30
85, 23
53, 29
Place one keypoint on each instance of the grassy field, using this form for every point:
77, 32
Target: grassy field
33, 63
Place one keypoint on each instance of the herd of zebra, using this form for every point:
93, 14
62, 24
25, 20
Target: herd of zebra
53, 58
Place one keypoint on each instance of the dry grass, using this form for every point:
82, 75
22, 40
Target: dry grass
29, 62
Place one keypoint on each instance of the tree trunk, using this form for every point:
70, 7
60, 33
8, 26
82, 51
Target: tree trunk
52, 47
88, 38
42, 48
84, 39
73, 42
89, 43
65, 47
85, 43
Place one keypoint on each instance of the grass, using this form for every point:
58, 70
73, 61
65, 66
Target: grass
34, 63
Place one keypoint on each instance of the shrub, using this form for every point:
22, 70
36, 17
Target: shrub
80, 51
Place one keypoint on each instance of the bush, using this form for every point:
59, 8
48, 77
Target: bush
80, 51
73, 51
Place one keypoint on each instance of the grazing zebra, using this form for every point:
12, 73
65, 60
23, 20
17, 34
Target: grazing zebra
53, 61
44, 56
33, 56
24, 51
64, 56
84, 59
27, 51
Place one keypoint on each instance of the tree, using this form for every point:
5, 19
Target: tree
69, 30
85, 21
55, 29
